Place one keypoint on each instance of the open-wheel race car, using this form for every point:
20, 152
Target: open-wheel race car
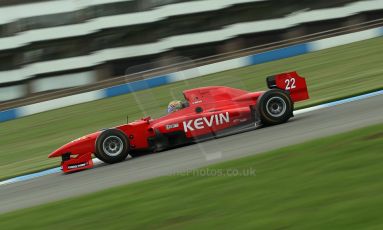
207, 112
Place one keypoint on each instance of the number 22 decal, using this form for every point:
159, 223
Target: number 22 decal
290, 84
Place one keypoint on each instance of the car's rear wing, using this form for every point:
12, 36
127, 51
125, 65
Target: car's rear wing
291, 82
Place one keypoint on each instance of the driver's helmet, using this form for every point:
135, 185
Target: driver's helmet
174, 106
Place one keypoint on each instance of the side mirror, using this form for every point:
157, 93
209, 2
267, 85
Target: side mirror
147, 119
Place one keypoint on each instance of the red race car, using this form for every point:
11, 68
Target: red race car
207, 112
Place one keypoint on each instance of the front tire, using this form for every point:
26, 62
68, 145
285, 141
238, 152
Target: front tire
112, 146
275, 107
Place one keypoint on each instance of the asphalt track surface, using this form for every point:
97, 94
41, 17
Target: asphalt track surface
303, 127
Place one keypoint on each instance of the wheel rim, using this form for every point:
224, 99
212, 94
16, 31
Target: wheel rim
276, 106
112, 146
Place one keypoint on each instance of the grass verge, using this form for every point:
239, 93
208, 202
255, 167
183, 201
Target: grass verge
331, 74
329, 183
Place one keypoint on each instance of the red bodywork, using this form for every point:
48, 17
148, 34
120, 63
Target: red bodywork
210, 111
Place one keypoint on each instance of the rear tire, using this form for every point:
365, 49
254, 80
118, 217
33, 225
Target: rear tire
112, 146
275, 107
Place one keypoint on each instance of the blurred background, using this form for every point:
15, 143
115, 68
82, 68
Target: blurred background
85, 54
53, 48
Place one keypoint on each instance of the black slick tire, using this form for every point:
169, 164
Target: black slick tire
112, 146
275, 107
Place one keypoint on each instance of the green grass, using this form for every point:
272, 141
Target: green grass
331, 74
329, 183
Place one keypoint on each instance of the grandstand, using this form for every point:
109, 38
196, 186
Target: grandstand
47, 46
